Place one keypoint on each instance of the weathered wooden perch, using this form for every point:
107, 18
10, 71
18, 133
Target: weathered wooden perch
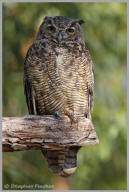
36, 132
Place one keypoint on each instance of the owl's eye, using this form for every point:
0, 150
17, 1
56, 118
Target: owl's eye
51, 28
71, 30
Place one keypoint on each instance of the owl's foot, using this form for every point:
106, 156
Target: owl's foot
88, 115
72, 116
57, 115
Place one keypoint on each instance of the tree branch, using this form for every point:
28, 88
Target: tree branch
35, 132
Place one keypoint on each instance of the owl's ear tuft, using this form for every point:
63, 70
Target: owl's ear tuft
80, 21
46, 18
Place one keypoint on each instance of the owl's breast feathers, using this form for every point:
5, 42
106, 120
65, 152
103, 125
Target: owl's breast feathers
59, 78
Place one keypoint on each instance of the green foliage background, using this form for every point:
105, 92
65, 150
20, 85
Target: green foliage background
100, 167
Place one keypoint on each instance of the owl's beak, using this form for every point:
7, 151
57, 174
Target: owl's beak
60, 37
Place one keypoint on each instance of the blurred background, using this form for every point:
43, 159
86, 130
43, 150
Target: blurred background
100, 167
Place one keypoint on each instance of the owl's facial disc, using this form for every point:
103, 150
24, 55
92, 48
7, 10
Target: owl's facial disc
61, 29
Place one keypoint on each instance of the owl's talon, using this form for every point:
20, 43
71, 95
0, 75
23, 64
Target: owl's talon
72, 117
57, 115
86, 115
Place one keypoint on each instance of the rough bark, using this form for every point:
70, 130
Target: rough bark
36, 132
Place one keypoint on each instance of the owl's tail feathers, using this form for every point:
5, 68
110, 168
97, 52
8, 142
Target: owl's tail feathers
63, 163
70, 163
55, 159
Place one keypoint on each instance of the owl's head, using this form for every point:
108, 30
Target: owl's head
61, 29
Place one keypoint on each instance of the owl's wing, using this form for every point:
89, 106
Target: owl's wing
29, 90
89, 81
30, 97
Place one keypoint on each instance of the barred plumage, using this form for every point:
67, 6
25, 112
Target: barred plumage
58, 78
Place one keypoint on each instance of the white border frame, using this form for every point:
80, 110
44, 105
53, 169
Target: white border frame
59, 1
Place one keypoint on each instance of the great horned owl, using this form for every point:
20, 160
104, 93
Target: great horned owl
59, 80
